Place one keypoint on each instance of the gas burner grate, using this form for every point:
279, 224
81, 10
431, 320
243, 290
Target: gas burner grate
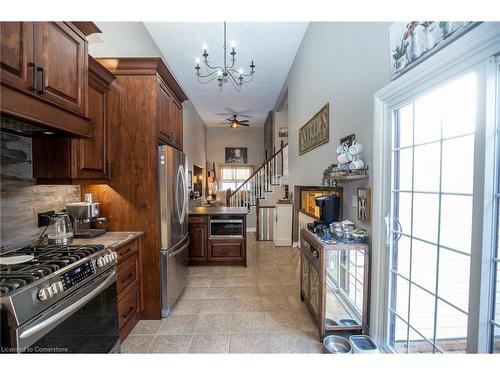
47, 259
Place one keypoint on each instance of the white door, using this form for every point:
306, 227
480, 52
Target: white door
431, 212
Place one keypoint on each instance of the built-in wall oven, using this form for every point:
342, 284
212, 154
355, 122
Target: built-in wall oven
226, 226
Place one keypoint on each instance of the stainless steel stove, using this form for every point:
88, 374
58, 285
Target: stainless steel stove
61, 300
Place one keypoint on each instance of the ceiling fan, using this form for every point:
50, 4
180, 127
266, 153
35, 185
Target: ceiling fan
235, 123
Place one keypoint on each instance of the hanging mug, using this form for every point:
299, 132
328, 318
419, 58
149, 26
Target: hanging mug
342, 148
356, 163
344, 158
356, 148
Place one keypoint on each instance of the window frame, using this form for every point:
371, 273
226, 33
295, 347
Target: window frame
474, 48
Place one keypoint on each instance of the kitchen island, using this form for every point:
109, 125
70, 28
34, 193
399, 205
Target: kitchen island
217, 235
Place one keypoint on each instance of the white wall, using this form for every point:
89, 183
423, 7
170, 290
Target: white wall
220, 138
344, 64
122, 39
195, 137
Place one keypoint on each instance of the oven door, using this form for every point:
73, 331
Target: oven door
84, 322
226, 228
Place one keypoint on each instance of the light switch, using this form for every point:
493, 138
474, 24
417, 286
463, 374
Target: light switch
354, 201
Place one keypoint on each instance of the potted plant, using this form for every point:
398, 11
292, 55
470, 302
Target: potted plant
399, 54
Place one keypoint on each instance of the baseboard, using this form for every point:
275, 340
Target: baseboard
282, 243
251, 229
295, 244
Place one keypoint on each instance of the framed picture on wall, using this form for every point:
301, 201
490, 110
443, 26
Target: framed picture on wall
315, 132
236, 155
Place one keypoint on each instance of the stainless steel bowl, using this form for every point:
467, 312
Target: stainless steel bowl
334, 344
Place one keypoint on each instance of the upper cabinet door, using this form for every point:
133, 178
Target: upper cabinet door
16, 55
61, 59
164, 118
176, 123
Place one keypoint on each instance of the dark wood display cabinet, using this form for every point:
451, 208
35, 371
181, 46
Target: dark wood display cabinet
44, 74
334, 284
80, 160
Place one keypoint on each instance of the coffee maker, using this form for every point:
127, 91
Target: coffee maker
329, 209
85, 218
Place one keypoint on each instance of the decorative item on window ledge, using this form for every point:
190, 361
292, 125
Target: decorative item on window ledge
223, 73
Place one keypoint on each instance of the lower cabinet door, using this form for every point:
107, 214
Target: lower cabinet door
128, 312
314, 289
226, 250
304, 276
198, 241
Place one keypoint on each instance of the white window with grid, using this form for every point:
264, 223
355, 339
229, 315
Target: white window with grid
432, 196
233, 176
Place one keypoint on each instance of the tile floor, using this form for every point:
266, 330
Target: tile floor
235, 310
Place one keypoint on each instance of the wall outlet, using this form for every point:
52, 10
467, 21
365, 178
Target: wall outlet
44, 218
354, 201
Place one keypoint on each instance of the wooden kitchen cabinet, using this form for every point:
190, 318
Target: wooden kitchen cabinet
44, 74
169, 117
61, 63
204, 250
79, 160
128, 286
16, 55
311, 279
198, 241
176, 124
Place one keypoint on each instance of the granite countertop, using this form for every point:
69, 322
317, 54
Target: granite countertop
218, 210
335, 246
109, 239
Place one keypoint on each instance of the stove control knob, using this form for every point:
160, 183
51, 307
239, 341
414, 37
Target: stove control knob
57, 287
114, 255
101, 262
108, 258
45, 293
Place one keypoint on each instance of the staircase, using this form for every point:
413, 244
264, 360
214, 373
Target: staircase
261, 190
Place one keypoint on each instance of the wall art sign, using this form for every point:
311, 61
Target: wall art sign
413, 42
236, 155
315, 132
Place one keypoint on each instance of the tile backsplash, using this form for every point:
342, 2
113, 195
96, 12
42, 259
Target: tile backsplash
21, 198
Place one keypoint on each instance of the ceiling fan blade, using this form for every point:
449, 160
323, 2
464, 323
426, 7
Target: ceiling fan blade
244, 124
244, 120
242, 115
229, 119
224, 114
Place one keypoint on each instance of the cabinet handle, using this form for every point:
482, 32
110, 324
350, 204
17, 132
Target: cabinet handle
41, 70
125, 316
128, 278
126, 252
33, 76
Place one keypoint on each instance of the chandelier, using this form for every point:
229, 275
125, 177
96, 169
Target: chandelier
224, 73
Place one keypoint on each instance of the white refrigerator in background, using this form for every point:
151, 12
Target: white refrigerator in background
174, 238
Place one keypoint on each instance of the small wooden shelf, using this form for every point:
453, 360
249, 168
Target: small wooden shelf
352, 177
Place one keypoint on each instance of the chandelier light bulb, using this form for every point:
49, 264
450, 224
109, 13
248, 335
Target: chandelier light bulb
240, 71
204, 47
197, 60
219, 73
233, 44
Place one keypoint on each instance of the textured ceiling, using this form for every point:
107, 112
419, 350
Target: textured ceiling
272, 46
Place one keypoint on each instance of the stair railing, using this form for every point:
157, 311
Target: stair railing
261, 181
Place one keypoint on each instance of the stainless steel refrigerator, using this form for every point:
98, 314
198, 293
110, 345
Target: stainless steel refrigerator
174, 244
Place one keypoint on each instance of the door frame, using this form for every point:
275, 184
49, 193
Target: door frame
472, 49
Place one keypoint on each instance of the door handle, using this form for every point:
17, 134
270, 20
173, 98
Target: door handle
42, 71
399, 229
